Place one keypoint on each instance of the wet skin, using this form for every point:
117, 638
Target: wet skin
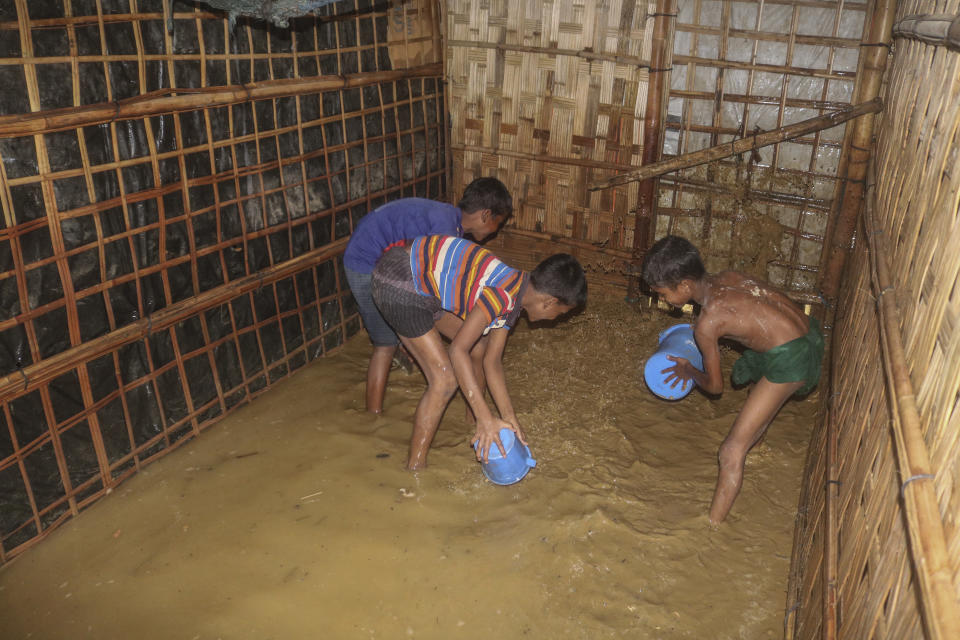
733, 305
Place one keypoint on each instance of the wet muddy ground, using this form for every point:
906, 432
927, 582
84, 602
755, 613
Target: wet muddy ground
294, 518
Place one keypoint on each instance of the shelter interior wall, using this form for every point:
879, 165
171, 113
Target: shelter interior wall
915, 209
110, 225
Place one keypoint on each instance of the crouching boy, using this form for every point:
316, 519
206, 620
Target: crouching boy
784, 348
443, 285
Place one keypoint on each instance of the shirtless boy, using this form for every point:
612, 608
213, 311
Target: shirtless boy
784, 348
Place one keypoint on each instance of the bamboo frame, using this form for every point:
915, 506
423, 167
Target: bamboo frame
41, 373
857, 147
755, 141
202, 231
662, 50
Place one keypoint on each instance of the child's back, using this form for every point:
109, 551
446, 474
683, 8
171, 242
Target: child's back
751, 311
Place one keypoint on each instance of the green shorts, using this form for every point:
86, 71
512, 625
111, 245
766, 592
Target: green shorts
794, 361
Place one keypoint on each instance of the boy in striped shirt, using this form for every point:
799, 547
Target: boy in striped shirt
484, 207
443, 285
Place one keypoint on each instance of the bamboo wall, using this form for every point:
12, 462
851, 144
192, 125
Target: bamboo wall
542, 95
176, 192
865, 562
553, 96
743, 67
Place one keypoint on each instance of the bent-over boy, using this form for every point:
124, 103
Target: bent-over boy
443, 285
784, 348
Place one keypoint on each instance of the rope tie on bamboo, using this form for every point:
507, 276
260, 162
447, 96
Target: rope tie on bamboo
652, 70
26, 379
919, 476
836, 482
665, 15
877, 44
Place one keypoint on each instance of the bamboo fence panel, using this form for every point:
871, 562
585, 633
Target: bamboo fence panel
176, 193
547, 96
744, 67
880, 593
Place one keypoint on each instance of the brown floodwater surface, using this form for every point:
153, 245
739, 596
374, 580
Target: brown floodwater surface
294, 517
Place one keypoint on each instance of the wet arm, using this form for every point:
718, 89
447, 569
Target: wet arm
496, 381
463, 341
711, 378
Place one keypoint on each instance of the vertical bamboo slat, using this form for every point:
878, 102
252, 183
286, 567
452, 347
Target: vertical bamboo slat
653, 121
849, 195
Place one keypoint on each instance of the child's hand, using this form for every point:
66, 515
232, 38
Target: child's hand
515, 427
488, 434
680, 372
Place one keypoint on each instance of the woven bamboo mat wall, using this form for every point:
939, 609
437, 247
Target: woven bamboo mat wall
176, 192
544, 95
917, 213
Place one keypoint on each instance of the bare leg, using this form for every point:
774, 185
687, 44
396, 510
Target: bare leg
762, 405
448, 325
432, 357
377, 373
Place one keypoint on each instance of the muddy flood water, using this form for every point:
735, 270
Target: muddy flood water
294, 517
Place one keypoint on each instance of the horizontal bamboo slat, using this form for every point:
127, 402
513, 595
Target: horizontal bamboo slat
757, 140
191, 99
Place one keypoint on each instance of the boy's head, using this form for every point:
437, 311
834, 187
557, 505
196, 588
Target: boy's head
671, 265
486, 204
558, 285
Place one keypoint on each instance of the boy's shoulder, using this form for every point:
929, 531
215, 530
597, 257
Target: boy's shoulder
732, 292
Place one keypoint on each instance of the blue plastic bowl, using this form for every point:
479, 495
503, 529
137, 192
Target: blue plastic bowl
512, 468
676, 341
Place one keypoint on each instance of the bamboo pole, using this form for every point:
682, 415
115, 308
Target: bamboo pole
940, 30
661, 49
553, 51
542, 157
742, 145
928, 548
830, 551
188, 99
858, 143
35, 375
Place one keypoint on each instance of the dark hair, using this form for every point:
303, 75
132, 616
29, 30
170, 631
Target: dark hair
562, 277
670, 260
487, 193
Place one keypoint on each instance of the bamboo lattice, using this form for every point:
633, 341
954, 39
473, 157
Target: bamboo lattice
176, 194
744, 67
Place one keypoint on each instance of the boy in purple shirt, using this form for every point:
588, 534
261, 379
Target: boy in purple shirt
485, 205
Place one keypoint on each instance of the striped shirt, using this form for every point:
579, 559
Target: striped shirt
462, 275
